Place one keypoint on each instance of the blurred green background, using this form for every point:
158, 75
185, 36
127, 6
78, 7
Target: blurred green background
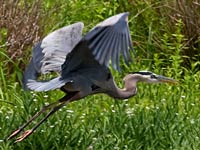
166, 38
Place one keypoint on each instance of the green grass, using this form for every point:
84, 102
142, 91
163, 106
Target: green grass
159, 117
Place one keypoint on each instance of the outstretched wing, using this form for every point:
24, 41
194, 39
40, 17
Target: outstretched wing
46, 85
49, 54
57, 45
105, 42
109, 39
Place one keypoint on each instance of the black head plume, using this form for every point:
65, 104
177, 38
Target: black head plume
143, 72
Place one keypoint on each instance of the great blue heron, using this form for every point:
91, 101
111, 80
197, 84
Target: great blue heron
82, 64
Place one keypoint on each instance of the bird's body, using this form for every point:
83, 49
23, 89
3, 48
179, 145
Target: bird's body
82, 64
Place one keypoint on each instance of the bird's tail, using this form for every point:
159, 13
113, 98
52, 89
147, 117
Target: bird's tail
30, 80
30, 74
33, 71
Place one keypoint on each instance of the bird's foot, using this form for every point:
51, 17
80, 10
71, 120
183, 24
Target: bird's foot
14, 134
24, 135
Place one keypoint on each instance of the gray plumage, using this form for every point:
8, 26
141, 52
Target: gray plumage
65, 50
82, 65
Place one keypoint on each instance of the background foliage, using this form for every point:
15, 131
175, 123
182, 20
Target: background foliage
166, 38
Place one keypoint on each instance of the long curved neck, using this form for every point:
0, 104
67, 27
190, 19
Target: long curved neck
128, 91
125, 93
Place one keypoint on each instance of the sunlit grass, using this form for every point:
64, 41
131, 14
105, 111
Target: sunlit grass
158, 117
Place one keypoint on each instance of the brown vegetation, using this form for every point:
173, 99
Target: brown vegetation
189, 13
21, 20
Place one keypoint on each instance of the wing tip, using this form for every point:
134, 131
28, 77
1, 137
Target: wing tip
80, 24
43, 86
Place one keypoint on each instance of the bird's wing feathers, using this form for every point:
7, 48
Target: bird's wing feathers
49, 54
58, 44
110, 38
105, 42
46, 85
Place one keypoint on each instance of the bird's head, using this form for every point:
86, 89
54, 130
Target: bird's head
149, 77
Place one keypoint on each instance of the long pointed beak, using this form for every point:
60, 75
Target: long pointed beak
166, 79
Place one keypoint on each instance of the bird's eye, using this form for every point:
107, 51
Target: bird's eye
153, 76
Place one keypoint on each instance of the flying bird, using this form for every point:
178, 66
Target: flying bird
82, 64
